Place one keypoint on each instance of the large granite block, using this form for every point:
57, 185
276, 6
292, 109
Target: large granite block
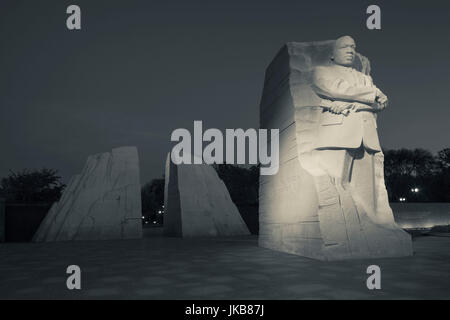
103, 202
302, 209
197, 203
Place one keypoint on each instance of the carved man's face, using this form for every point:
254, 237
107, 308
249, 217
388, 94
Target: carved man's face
344, 51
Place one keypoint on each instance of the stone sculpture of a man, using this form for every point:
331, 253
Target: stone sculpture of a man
328, 200
348, 136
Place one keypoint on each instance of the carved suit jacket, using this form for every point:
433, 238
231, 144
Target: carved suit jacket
341, 83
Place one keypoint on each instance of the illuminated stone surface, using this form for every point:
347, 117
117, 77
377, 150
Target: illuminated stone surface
197, 203
303, 209
103, 202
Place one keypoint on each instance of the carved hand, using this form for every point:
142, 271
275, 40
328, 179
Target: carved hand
341, 107
382, 99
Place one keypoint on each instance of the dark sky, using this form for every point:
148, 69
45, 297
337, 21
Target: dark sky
140, 69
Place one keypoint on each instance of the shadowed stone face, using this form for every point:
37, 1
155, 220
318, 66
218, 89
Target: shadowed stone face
197, 203
344, 51
103, 202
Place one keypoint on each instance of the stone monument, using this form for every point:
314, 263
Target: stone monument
328, 200
197, 203
103, 202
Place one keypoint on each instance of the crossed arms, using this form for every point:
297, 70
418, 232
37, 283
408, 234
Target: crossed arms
339, 96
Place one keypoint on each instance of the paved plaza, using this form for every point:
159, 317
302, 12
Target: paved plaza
158, 267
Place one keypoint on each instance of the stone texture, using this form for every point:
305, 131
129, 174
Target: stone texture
197, 203
103, 202
302, 210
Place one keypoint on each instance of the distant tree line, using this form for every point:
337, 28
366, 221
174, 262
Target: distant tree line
152, 197
32, 186
415, 175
